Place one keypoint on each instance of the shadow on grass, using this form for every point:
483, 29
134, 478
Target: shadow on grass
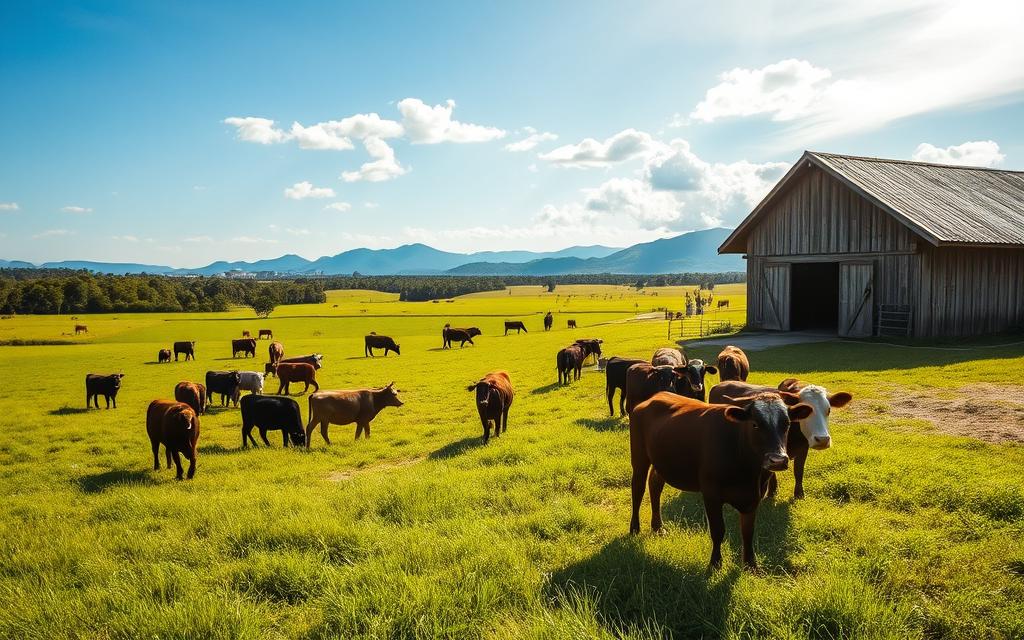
99, 482
605, 424
548, 388
215, 450
68, 411
456, 448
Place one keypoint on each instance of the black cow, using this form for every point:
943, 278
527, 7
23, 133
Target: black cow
615, 378
514, 324
186, 347
106, 386
569, 360
314, 359
462, 336
548, 321
225, 383
246, 346
374, 341
270, 413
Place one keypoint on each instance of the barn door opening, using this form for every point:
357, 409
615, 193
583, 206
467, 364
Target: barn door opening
775, 301
856, 299
815, 296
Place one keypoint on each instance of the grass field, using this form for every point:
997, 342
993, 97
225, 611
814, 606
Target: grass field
424, 532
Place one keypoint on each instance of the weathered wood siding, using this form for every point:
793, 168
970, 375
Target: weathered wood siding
970, 291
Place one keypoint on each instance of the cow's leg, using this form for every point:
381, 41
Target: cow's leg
309, 430
610, 392
114, 400
156, 455
306, 389
716, 527
622, 401
773, 485
280, 385
640, 470
316, 387
177, 464
747, 532
798, 474
323, 430
263, 436
247, 435
655, 484
191, 455
487, 426
284, 433
504, 420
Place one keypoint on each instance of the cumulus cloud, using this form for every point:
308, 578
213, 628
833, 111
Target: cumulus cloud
305, 189
532, 139
624, 145
9, 206
980, 153
199, 239
53, 233
383, 167
338, 206
128, 238
425, 124
371, 205
76, 209
338, 134
784, 90
258, 130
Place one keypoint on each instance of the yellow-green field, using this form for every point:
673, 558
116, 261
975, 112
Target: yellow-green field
423, 531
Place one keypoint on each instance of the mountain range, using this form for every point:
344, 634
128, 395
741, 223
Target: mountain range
695, 251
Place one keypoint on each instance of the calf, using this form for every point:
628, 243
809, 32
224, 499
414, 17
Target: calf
288, 372
644, 380
374, 341
462, 336
691, 380
548, 321
225, 383
345, 407
186, 347
571, 324
245, 346
266, 333
251, 381
615, 378
733, 364
268, 413
494, 396
81, 328
514, 324
102, 385
176, 426
812, 432
668, 355
163, 355
193, 394
314, 359
726, 453
276, 352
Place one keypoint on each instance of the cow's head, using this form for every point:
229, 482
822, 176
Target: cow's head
590, 345
398, 350
390, 396
181, 418
815, 427
691, 378
770, 415
485, 392
474, 332
116, 379
664, 377
317, 360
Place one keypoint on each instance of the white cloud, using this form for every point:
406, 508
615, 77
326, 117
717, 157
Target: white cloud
339, 206
384, 167
371, 205
199, 239
635, 198
124, 238
305, 189
252, 240
258, 130
981, 153
425, 124
9, 206
624, 145
785, 90
532, 140
53, 233
297, 232
76, 209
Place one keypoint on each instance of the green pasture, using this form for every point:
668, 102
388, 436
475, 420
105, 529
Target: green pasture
422, 531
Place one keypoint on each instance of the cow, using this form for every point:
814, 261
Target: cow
246, 334
615, 378
514, 324
548, 321
176, 426
163, 355
245, 346
225, 383
593, 346
269, 369
102, 385
462, 336
186, 347
723, 303
571, 324
494, 394
251, 381
691, 380
726, 453
193, 394
374, 341
314, 359
668, 355
644, 380
81, 328
733, 364
811, 433
268, 413
569, 361
276, 352
266, 333
360, 406
288, 372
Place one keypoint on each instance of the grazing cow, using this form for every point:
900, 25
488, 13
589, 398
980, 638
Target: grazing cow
571, 324
726, 453
494, 396
268, 413
246, 334
723, 303
163, 355
733, 364
288, 372
811, 433
548, 321
514, 324
186, 347
269, 369
266, 333
569, 360
314, 359
251, 381
81, 328
462, 336
276, 351
374, 341
593, 346
245, 346
193, 394
615, 378
106, 386
360, 406
225, 383
691, 380
644, 380
176, 426
668, 355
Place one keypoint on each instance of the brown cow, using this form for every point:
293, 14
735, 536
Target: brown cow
668, 355
724, 452
360, 406
494, 396
163, 355
462, 336
266, 333
276, 351
176, 426
569, 361
374, 341
193, 394
81, 328
733, 364
247, 346
644, 380
288, 372
246, 334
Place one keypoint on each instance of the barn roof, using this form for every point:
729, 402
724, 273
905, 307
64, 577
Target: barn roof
944, 204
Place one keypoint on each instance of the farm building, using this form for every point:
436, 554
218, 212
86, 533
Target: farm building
867, 246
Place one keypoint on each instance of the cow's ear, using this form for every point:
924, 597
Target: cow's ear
737, 414
680, 370
840, 399
790, 399
471, 387
800, 412
712, 369
789, 384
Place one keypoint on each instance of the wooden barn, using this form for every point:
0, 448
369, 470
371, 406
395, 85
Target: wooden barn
867, 246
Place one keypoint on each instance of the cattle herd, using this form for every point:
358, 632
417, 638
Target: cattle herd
727, 443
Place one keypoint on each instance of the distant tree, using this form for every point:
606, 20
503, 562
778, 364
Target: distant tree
639, 285
264, 305
551, 284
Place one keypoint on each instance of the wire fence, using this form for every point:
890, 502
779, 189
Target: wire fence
708, 324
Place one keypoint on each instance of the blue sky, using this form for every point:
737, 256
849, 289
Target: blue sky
142, 131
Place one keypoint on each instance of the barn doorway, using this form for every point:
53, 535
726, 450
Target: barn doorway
814, 296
